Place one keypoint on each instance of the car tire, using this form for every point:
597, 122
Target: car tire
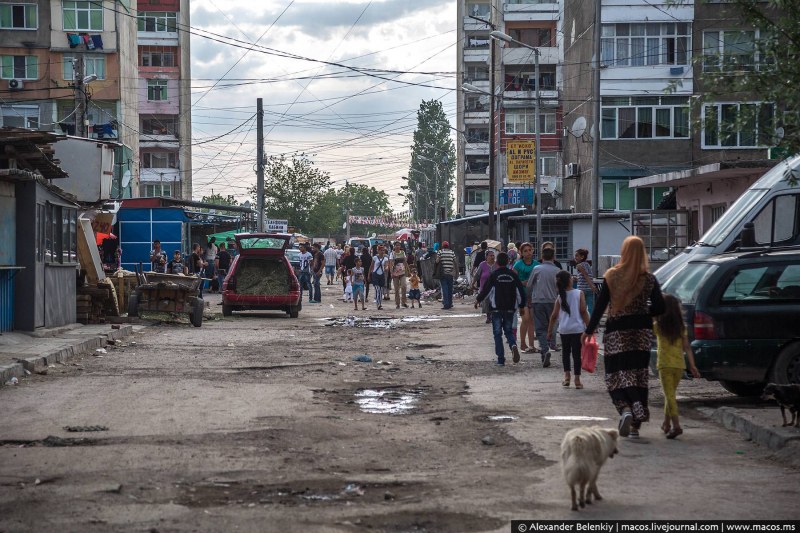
196, 317
133, 304
744, 389
227, 310
786, 368
294, 311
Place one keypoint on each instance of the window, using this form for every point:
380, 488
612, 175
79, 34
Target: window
548, 164
477, 196
729, 51
779, 222
742, 125
83, 16
481, 9
159, 160
158, 58
643, 44
525, 80
92, 64
645, 117
477, 73
20, 116
20, 67
479, 165
618, 196
60, 233
156, 89
19, 16
523, 121
157, 189
159, 126
477, 135
474, 103
158, 21
531, 37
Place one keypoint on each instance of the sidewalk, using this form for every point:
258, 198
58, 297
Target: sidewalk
21, 352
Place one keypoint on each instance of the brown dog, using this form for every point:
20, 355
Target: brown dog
583, 452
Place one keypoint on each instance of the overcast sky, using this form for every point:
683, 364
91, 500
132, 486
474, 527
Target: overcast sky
353, 126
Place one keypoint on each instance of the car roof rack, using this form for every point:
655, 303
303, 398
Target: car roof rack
761, 250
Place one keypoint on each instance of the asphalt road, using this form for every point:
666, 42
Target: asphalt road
261, 423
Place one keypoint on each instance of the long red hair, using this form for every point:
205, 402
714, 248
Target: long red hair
626, 279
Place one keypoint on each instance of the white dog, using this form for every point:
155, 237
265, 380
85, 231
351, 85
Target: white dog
583, 453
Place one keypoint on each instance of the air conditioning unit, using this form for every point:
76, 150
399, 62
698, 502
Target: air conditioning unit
15, 85
572, 170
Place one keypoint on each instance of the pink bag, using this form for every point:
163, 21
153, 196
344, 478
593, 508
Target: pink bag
589, 354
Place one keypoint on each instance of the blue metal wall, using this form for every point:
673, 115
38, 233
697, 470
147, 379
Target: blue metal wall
7, 300
139, 227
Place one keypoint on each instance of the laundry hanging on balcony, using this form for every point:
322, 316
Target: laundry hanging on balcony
74, 40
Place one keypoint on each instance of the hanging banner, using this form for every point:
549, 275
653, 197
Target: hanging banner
521, 161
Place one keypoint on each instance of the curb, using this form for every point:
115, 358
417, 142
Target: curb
778, 439
62, 354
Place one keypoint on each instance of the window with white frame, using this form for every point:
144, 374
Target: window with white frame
646, 43
729, 51
19, 16
19, 67
645, 117
159, 160
158, 21
154, 125
157, 189
157, 57
548, 164
477, 135
92, 64
519, 121
83, 15
740, 125
477, 73
20, 116
156, 90
479, 9
477, 196
618, 196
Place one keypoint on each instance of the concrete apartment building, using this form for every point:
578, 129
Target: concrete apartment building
40, 44
164, 71
654, 136
536, 24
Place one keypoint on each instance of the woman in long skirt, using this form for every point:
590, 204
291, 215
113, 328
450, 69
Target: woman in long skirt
632, 296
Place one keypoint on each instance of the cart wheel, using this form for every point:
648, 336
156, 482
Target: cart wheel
133, 304
294, 311
227, 310
197, 313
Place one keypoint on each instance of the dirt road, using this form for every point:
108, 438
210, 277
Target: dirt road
264, 423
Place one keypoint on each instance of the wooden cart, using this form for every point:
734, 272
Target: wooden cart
167, 293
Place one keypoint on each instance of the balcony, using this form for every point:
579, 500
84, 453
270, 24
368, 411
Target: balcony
159, 175
525, 56
477, 148
526, 10
161, 140
157, 38
473, 25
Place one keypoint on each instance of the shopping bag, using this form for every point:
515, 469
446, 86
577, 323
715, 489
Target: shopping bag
589, 354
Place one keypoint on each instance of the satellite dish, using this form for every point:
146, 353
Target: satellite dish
484, 99
578, 127
591, 132
344, 226
486, 206
126, 178
780, 132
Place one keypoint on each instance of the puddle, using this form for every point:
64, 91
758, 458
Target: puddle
502, 418
385, 322
387, 401
575, 417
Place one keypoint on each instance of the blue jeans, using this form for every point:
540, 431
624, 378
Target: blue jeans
502, 322
588, 294
221, 277
447, 290
305, 283
317, 290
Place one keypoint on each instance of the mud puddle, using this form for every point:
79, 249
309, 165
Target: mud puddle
387, 401
385, 322
576, 418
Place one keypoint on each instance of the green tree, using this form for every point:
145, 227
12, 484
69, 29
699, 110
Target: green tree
218, 199
330, 213
433, 163
292, 188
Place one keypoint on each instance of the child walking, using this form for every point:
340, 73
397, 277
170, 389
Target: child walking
414, 294
572, 315
356, 281
672, 343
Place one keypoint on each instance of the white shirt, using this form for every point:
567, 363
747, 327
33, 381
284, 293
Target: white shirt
305, 261
573, 322
211, 252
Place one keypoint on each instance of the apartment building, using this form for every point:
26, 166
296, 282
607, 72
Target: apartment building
654, 134
42, 42
164, 76
536, 24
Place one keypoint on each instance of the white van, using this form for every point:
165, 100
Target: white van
772, 203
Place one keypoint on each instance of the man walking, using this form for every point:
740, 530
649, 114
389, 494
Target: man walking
366, 264
317, 269
506, 294
223, 264
448, 263
305, 259
331, 263
399, 268
543, 293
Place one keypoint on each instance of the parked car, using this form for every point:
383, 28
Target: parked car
770, 195
293, 255
742, 313
261, 276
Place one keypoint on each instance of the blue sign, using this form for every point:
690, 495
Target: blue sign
516, 196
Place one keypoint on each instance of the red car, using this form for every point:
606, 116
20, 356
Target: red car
260, 276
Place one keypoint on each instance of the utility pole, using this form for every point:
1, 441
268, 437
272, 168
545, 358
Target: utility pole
78, 72
596, 144
492, 130
347, 215
260, 165
537, 167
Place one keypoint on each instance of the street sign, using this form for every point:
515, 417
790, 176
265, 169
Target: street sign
521, 161
277, 226
516, 196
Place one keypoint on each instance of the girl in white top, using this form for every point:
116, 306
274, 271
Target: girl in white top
572, 315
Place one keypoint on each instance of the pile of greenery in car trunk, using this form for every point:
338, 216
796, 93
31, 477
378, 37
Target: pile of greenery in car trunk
262, 277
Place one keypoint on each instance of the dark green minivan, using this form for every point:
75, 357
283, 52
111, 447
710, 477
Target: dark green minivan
742, 312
